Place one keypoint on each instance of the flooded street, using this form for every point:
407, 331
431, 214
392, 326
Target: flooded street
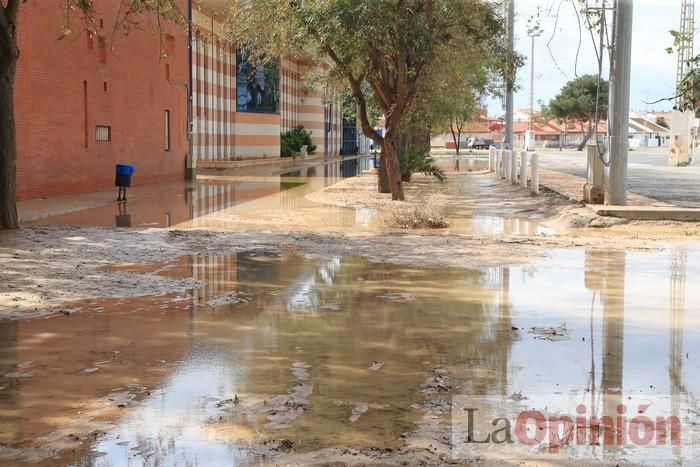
270, 317
277, 353
173, 204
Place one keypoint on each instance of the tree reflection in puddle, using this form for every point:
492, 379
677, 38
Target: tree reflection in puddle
335, 352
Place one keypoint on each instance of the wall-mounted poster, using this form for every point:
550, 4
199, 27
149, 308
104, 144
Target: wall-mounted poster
257, 85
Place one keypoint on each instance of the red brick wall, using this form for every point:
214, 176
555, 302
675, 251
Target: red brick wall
50, 103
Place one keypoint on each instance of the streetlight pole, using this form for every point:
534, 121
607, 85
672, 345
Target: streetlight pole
510, 74
533, 30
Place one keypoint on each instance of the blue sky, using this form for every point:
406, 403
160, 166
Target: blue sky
653, 70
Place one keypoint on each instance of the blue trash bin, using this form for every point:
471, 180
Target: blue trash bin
123, 179
124, 173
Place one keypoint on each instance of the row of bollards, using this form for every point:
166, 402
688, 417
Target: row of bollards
512, 166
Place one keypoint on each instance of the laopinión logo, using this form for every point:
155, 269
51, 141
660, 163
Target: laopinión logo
603, 427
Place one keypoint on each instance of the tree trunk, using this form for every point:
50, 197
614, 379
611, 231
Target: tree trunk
382, 174
455, 139
589, 133
8, 144
566, 135
393, 168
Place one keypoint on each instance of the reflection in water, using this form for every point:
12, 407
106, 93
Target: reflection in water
167, 204
123, 219
605, 274
278, 347
679, 260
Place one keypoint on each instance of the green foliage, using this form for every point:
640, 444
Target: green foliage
131, 16
388, 55
688, 92
418, 160
291, 142
577, 100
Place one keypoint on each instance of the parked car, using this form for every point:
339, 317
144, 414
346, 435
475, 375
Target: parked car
479, 143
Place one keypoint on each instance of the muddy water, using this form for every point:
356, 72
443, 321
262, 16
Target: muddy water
255, 198
170, 204
307, 354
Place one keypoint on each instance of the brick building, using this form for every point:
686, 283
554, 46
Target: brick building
223, 130
82, 107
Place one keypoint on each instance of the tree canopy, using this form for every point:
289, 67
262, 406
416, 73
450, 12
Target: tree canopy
577, 100
584, 99
382, 51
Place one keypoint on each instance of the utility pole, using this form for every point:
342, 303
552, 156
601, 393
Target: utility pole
682, 120
619, 103
510, 74
533, 30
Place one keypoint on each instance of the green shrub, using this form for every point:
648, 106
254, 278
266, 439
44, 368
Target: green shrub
291, 142
414, 160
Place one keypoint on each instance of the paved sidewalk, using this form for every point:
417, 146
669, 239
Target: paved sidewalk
648, 175
571, 186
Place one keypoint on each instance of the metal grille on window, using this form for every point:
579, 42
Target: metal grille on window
103, 133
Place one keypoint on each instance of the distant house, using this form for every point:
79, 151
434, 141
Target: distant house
481, 127
546, 135
645, 132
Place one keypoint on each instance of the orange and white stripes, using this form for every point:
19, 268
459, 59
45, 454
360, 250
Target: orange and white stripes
222, 133
213, 90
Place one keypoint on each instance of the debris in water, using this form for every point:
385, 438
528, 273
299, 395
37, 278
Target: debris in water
231, 298
397, 296
437, 382
375, 365
90, 370
285, 445
550, 333
334, 306
357, 412
281, 410
19, 374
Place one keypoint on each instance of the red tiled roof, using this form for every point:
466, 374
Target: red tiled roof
575, 126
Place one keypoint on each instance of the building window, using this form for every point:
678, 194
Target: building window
103, 133
257, 85
166, 127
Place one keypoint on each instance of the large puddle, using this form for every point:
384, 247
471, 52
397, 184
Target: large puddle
262, 198
277, 352
172, 204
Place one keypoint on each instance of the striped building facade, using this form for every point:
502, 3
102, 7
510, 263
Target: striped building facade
221, 133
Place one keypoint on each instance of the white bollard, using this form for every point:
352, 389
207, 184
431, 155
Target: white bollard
535, 173
506, 164
492, 159
514, 167
523, 169
499, 167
